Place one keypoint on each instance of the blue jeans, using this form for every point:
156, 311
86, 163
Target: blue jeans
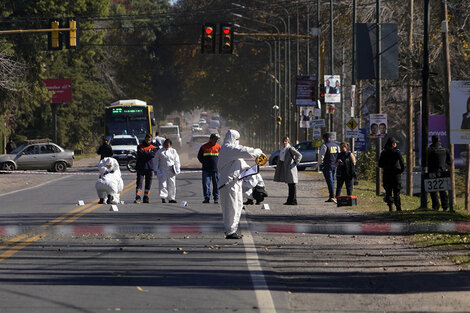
329, 174
206, 184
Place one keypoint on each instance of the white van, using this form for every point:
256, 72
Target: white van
172, 132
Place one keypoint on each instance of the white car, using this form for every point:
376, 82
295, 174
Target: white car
123, 147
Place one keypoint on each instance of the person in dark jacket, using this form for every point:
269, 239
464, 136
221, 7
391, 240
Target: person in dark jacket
438, 158
105, 150
391, 161
144, 167
345, 164
328, 152
208, 155
466, 117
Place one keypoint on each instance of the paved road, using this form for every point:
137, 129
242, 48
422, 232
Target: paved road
57, 256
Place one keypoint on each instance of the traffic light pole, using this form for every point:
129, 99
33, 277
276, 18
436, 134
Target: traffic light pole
41, 30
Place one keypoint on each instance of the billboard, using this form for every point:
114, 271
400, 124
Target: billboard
460, 112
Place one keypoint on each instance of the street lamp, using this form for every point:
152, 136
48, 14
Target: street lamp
287, 78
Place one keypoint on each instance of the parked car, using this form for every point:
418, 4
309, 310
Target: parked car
195, 128
37, 156
308, 151
124, 146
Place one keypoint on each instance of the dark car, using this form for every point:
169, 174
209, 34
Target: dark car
308, 151
37, 156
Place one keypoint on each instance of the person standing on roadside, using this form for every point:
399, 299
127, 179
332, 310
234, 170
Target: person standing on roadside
208, 155
328, 152
286, 169
167, 166
345, 169
438, 158
144, 167
231, 164
105, 150
393, 166
11, 145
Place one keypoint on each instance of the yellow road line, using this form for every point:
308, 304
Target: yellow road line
20, 246
79, 212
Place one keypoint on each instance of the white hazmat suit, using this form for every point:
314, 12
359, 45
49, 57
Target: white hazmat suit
167, 166
251, 182
231, 164
110, 183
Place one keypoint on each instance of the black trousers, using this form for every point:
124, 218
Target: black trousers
292, 198
435, 200
392, 185
141, 175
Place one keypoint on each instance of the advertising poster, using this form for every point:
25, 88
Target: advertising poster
333, 86
305, 90
378, 125
306, 115
460, 112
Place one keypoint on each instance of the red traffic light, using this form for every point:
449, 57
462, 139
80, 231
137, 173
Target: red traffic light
226, 30
209, 30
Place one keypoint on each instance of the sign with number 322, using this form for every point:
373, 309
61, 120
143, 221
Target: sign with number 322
437, 182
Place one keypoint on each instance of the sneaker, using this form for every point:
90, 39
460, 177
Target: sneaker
206, 200
163, 200
110, 199
172, 201
137, 199
101, 201
248, 202
234, 236
216, 201
146, 199
334, 200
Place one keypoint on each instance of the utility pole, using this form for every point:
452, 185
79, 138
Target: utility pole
378, 90
409, 147
425, 109
447, 79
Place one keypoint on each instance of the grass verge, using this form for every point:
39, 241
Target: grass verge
458, 245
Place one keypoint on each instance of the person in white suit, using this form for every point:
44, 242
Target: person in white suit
231, 164
167, 166
110, 183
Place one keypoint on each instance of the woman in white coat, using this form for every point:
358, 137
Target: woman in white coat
231, 164
167, 166
110, 183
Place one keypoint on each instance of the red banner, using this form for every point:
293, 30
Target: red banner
61, 88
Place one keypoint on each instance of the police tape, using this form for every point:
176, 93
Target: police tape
339, 228
314, 164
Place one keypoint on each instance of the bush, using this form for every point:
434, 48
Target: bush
366, 164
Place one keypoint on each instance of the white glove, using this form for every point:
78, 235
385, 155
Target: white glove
258, 152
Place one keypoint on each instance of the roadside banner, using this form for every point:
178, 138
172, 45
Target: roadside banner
378, 125
460, 112
333, 87
306, 87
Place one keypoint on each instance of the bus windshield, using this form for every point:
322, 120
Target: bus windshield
132, 120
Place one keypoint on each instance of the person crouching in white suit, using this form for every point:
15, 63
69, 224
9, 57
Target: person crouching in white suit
110, 183
167, 166
231, 164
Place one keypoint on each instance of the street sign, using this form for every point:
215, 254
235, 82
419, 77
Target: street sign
437, 182
317, 123
352, 130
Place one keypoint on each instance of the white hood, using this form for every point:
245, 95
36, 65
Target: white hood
231, 157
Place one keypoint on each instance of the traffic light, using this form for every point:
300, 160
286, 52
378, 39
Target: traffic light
71, 36
226, 39
208, 38
279, 120
54, 38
